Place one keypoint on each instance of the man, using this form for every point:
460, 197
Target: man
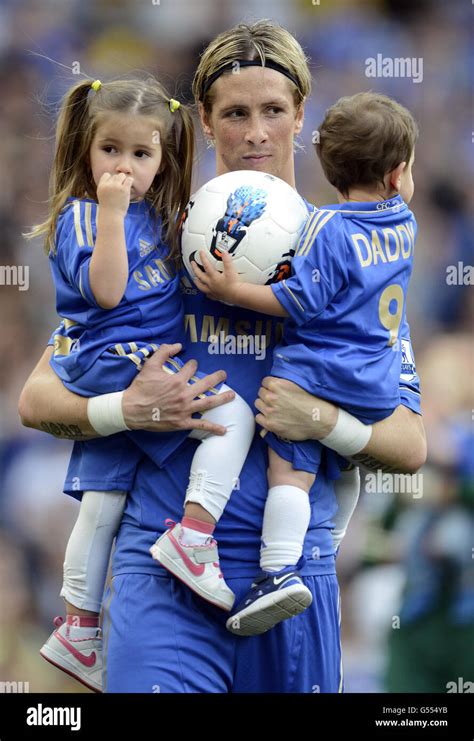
159, 637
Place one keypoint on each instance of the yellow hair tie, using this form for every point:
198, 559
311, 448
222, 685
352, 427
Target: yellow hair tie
96, 85
173, 104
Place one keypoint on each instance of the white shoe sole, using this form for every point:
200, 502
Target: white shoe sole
69, 667
270, 610
175, 568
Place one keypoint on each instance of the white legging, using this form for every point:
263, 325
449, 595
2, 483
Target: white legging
215, 469
347, 490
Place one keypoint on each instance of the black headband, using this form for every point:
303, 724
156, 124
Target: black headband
246, 63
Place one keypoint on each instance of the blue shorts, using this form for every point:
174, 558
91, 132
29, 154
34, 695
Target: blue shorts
160, 637
110, 463
306, 455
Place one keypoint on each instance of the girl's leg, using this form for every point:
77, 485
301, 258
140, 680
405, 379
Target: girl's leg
76, 646
187, 549
88, 551
215, 468
287, 514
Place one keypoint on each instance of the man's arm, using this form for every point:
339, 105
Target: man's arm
49, 406
155, 401
397, 443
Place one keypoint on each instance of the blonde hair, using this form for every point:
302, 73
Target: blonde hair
71, 176
262, 41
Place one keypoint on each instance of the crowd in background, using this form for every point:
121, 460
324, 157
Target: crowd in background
406, 566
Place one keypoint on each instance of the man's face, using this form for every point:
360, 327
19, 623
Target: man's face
253, 122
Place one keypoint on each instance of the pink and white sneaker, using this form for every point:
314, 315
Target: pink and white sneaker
196, 566
81, 659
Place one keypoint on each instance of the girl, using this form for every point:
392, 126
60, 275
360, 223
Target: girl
120, 183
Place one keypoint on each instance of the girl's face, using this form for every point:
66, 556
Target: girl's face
253, 122
128, 144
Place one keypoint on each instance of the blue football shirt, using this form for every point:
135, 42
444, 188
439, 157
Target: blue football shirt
151, 309
347, 332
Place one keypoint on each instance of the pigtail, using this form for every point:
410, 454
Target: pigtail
70, 171
184, 159
175, 186
71, 128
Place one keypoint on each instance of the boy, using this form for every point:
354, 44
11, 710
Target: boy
345, 304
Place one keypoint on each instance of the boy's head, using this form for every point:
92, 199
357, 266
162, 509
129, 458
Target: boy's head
367, 142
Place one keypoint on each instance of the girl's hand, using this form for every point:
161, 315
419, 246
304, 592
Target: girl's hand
216, 285
113, 192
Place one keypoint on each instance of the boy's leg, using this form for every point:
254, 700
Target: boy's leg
287, 514
278, 592
75, 647
187, 549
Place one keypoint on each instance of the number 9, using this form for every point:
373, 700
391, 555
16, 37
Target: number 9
387, 319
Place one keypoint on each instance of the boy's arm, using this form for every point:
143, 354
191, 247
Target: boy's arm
229, 287
317, 276
108, 270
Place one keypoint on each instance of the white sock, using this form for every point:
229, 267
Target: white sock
285, 522
347, 490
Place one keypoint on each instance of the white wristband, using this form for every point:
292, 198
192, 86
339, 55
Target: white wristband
105, 413
349, 436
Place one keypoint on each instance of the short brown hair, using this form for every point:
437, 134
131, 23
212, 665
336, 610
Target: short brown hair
362, 138
261, 40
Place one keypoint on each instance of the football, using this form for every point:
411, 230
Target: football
255, 217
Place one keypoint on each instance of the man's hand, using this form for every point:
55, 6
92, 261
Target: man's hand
161, 402
397, 442
216, 285
289, 411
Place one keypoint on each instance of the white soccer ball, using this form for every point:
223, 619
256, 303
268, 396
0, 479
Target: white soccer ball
255, 217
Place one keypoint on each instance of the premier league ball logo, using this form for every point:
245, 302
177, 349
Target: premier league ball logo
244, 205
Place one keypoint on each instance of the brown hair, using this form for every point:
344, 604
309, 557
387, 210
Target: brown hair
362, 138
81, 110
262, 40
